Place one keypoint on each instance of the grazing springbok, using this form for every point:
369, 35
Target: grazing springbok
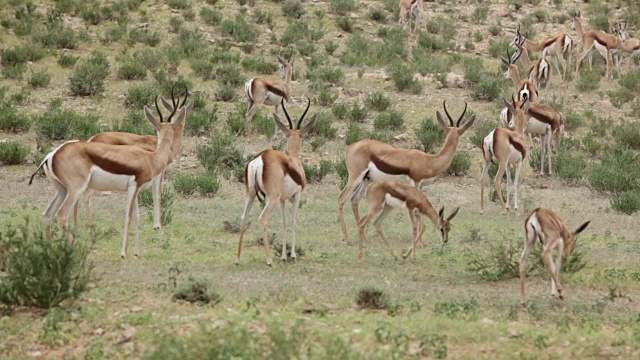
261, 91
599, 40
545, 225
524, 89
277, 177
76, 166
629, 48
555, 46
507, 147
409, 8
383, 161
539, 71
384, 195
146, 142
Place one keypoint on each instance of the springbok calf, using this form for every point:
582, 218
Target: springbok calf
77, 166
545, 225
383, 161
277, 177
539, 71
507, 147
261, 91
145, 142
524, 89
629, 48
385, 195
555, 45
409, 8
599, 40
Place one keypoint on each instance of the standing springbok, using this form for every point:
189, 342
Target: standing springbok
548, 227
596, 39
384, 195
77, 166
555, 45
408, 8
507, 147
261, 91
629, 48
382, 161
277, 177
539, 71
524, 89
145, 142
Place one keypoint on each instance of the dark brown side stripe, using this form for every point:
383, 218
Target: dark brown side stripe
294, 174
518, 146
543, 118
111, 166
388, 168
549, 42
276, 90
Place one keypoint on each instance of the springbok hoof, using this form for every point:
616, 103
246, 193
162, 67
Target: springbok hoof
123, 256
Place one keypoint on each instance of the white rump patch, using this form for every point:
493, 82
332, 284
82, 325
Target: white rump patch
254, 172
395, 202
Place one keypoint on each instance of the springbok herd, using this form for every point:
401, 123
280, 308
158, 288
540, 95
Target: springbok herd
388, 176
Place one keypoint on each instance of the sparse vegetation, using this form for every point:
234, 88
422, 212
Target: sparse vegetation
88, 77
13, 153
430, 135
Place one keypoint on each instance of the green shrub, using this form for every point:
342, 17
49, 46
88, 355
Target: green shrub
196, 291
473, 69
345, 23
276, 245
430, 135
404, 80
239, 30
230, 75
188, 43
495, 30
132, 70
226, 94
443, 26
481, 129
631, 81
378, 101
588, 81
324, 126
177, 23
67, 60
11, 120
263, 17
498, 47
259, 65
88, 77
500, 261
627, 202
206, 184
331, 75
293, 8
114, 34
136, 123
315, 173
326, 96
357, 113
466, 309
360, 50
618, 171
57, 124
573, 120
140, 95
21, 54
377, 14
40, 79
340, 110
569, 166
354, 134
620, 97
628, 134
372, 298
219, 152
200, 121
211, 16
480, 14
489, 88
460, 164
330, 47
431, 42
389, 120
166, 208
41, 273
599, 22
56, 35
13, 153
591, 145
341, 7
144, 36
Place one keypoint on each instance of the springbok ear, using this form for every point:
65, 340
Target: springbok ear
152, 119
189, 106
509, 105
309, 125
441, 121
581, 228
441, 212
453, 214
280, 60
467, 124
167, 105
180, 116
279, 123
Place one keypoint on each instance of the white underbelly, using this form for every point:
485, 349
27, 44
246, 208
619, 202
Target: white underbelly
272, 99
535, 126
549, 50
601, 49
514, 155
290, 188
376, 174
394, 202
105, 181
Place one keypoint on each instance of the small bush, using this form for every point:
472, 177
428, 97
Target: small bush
326, 96
230, 75
197, 292
41, 273
315, 173
500, 262
40, 79
466, 309
489, 88
293, 8
132, 70
166, 209
372, 298
460, 164
67, 60
354, 134
11, 120
446, 27
206, 184
57, 124
618, 171
259, 65
481, 130
569, 166
495, 30
378, 101
139, 96
573, 120
144, 36
13, 153
88, 78
430, 135
357, 113
628, 134
627, 202
377, 14
388, 120
114, 34
239, 30
200, 121
588, 81
631, 81
324, 126
211, 16
480, 14
219, 152
620, 97
20, 55
226, 94
136, 123
404, 80
330, 47
497, 48
473, 69
341, 7
345, 23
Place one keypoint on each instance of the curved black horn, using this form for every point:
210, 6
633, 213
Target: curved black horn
186, 96
158, 109
461, 116
286, 113
518, 29
513, 100
444, 104
304, 113
509, 56
173, 102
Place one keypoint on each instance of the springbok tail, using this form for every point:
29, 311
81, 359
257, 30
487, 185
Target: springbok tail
37, 170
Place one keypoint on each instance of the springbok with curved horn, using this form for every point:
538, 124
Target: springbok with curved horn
524, 89
261, 91
555, 45
507, 147
383, 161
145, 142
548, 227
77, 166
408, 8
384, 195
539, 71
597, 40
277, 177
